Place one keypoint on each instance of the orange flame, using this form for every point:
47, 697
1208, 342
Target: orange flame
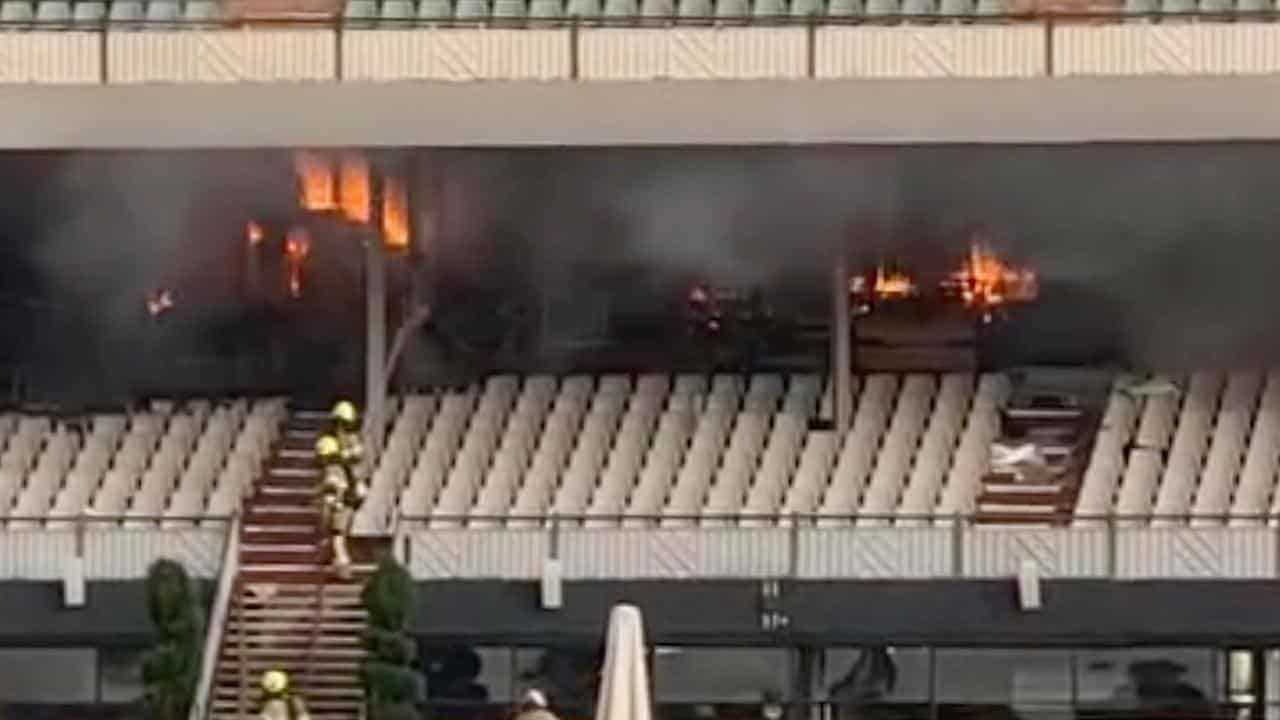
395, 215
893, 284
315, 181
884, 285
253, 233
986, 282
297, 246
353, 182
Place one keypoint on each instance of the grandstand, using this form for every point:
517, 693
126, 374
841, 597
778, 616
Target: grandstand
1009, 538
651, 452
650, 477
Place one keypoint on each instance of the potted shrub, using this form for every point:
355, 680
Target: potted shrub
171, 669
391, 683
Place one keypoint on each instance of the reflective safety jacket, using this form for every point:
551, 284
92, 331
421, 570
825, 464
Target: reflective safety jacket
340, 489
284, 707
352, 447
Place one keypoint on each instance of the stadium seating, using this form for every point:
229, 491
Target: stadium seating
659, 451
682, 451
173, 14
396, 12
666, 451
181, 463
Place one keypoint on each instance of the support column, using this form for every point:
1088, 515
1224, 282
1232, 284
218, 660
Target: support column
375, 284
841, 362
805, 680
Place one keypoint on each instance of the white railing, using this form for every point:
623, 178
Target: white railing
217, 621
110, 548
1120, 548
622, 49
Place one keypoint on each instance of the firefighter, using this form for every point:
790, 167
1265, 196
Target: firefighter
342, 493
278, 702
346, 427
534, 706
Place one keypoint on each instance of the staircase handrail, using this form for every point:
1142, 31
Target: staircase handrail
217, 621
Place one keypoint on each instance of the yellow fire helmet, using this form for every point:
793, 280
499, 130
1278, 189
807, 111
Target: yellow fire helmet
327, 446
274, 682
345, 412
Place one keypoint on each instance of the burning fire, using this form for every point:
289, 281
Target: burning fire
315, 182
159, 302
884, 285
395, 215
985, 282
297, 245
253, 233
348, 190
353, 190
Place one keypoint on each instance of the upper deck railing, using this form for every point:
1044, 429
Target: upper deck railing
800, 547
109, 547
456, 47
1116, 547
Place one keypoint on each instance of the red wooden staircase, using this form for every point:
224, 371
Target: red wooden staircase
288, 610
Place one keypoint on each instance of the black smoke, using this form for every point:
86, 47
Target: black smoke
1151, 256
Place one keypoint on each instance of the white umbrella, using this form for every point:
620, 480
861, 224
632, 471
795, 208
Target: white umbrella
624, 680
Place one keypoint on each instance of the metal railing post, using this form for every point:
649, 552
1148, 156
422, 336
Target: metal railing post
339, 61
553, 540
104, 52
1277, 536
793, 547
1049, 32
82, 523
957, 546
811, 46
575, 48
1113, 550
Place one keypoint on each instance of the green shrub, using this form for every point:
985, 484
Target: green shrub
391, 684
171, 669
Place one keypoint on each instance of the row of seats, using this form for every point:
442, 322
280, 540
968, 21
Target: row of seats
403, 13
657, 450
692, 450
182, 463
395, 13
683, 451
92, 13
1208, 452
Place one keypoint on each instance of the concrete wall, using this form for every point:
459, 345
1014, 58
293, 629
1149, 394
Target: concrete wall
1075, 612
32, 614
637, 114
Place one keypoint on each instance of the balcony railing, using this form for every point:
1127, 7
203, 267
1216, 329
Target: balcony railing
109, 547
118, 50
706, 547
833, 547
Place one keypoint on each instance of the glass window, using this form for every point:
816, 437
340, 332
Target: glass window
876, 674
48, 675
726, 675
465, 675
1144, 677
1019, 678
120, 674
567, 675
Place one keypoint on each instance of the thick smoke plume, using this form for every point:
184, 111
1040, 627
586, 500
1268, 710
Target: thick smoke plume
114, 227
1157, 256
